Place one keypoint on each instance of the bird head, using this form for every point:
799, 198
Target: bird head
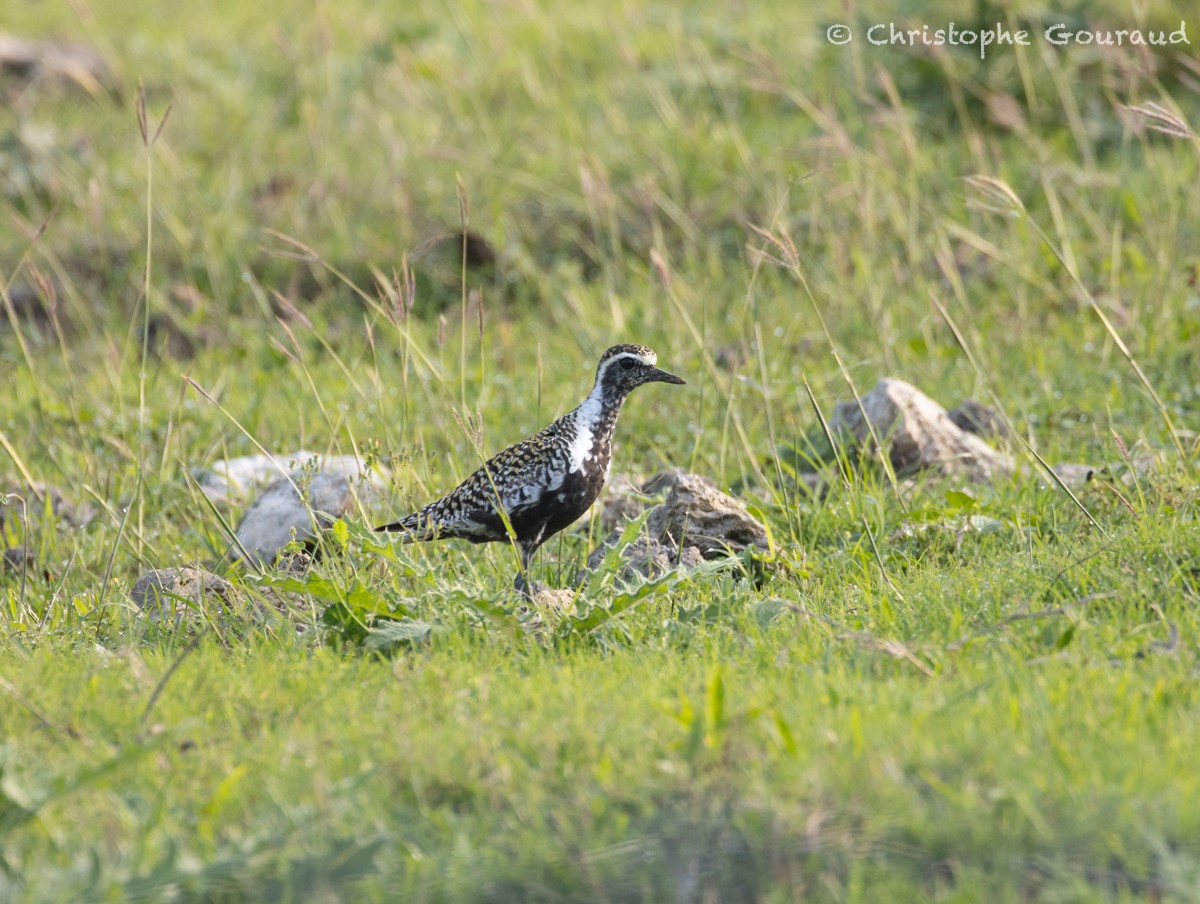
625, 367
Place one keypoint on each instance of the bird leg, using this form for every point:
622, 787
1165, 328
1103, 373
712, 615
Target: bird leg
523, 584
520, 585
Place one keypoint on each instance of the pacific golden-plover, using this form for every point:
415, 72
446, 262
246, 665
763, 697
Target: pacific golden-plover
543, 483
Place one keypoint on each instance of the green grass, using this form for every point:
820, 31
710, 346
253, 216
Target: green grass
893, 708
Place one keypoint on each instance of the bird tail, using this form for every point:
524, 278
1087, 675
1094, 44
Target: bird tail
413, 527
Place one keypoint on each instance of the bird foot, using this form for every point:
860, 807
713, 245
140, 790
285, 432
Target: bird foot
527, 589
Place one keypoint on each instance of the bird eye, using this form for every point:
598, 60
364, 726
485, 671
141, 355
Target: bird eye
627, 363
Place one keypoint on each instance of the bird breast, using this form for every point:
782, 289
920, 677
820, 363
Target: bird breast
583, 443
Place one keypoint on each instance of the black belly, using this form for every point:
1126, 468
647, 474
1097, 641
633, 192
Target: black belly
553, 512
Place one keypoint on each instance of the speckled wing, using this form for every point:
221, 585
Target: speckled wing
519, 476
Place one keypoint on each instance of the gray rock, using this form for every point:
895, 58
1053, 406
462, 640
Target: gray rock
30, 58
1143, 462
628, 495
38, 496
917, 432
731, 356
20, 561
645, 556
304, 493
299, 507
173, 593
982, 420
697, 514
663, 482
191, 593
236, 478
696, 521
17, 558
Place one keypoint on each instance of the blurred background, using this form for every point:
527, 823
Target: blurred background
586, 155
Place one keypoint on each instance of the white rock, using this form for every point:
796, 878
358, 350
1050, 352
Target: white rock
917, 433
298, 506
236, 478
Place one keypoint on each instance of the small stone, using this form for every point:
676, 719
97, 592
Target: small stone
173, 593
644, 557
544, 609
16, 558
20, 560
177, 594
560, 600
164, 335
731, 356
37, 496
305, 493
1146, 460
